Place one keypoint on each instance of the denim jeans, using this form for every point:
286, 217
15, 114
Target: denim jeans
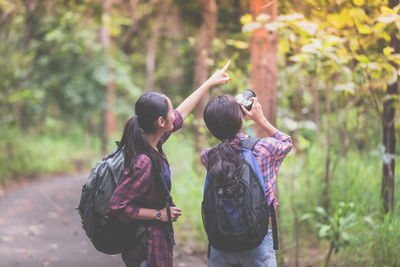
143, 264
261, 256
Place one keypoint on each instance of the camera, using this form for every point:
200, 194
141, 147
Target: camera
243, 98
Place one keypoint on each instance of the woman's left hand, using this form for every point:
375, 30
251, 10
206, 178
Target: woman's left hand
220, 76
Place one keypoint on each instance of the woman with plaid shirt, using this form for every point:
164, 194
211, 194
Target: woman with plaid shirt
224, 118
140, 194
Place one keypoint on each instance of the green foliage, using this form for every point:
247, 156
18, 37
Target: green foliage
384, 241
56, 67
356, 179
334, 227
187, 189
31, 155
53, 78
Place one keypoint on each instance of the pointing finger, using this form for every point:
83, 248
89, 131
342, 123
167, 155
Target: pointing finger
226, 66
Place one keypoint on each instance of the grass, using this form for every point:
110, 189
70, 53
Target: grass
357, 178
187, 190
28, 155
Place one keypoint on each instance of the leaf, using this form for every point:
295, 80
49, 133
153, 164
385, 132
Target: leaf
320, 210
274, 26
263, 18
358, 2
237, 44
393, 77
386, 10
246, 19
306, 217
362, 59
291, 17
346, 87
303, 144
387, 51
324, 231
290, 124
308, 27
359, 15
388, 18
364, 29
300, 58
251, 26
311, 48
388, 15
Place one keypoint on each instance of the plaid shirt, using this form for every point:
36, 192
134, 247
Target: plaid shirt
141, 188
269, 153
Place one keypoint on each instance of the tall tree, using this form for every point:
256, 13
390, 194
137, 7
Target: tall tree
109, 116
263, 49
153, 44
203, 51
389, 134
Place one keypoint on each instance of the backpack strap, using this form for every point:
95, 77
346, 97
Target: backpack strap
249, 144
274, 226
168, 205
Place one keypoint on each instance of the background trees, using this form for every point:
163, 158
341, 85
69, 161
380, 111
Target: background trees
325, 71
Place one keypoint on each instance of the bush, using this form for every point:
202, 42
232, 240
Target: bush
27, 155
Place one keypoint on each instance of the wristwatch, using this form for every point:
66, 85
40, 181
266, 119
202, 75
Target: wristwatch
158, 215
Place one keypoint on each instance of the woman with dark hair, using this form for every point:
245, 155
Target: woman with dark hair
224, 118
141, 194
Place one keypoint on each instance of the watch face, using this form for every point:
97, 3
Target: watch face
158, 215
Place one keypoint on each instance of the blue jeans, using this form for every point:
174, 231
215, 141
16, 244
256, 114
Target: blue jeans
143, 264
261, 256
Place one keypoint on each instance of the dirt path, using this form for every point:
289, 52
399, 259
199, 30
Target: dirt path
39, 226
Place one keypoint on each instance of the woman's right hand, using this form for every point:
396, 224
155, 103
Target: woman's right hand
175, 213
255, 114
220, 76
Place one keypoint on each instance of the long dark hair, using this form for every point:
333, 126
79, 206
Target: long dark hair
148, 108
223, 117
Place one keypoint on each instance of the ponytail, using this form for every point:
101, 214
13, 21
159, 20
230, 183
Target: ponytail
134, 143
148, 108
223, 117
225, 165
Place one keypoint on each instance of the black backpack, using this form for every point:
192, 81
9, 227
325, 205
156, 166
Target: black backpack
107, 233
240, 223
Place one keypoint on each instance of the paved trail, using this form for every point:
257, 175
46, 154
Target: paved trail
39, 226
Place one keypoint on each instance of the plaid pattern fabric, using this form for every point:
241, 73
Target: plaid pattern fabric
141, 188
269, 153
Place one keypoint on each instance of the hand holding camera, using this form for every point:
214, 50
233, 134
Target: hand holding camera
250, 105
252, 109
255, 113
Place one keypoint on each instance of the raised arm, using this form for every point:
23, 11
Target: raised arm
219, 77
256, 114
280, 144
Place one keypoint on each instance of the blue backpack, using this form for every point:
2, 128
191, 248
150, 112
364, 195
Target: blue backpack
239, 223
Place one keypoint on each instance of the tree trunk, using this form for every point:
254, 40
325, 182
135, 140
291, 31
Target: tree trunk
263, 49
153, 44
174, 32
137, 22
109, 116
328, 257
326, 194
203, 52
389, 134
316, 117
293, 207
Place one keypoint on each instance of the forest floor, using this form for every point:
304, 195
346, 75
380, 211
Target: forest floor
39, 226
